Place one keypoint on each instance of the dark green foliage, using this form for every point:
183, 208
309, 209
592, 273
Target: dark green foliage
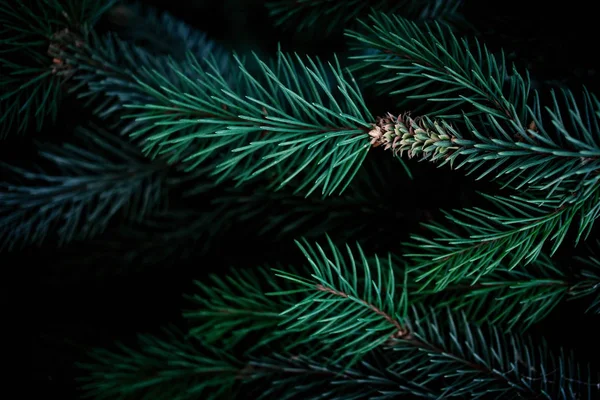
590, 285
502, 128
517, 298
346, 299
431, 64
188, 152
159, 32
228, 311
213, 115
346, 332
30, 80
502, 132
76, 189
476, 362
160, 369
515, 234
329, 16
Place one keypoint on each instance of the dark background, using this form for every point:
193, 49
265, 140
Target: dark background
57, 304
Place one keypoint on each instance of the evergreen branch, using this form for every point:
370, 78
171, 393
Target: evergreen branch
505, 298
30, 78
346, 299
116, 78
515, 234
523, 144
173, 367
513, 298
300, 121
160, 32
430, 359
459, 359
167, 236
289, 376
170, 367
291, 115
549, 163
230, 310
329, 16
468, 361
558, 151
430, 63
590, 286
76, 190
113, 74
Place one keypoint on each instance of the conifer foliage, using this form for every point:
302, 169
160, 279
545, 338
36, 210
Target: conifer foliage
182, 138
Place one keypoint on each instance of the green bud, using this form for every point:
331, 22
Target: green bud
422, 137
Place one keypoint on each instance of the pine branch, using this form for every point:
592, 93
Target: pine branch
228, 311
507, 298
346, 299
290, 376
291, 115
30, 78
531, 157
76, 190
429, 63
506, 133
113, 76
161, 33
570, 192
340, 309
471, 361
590, 286
515, 235
454, 357
169, 367
330, 16
513, 299
174, 367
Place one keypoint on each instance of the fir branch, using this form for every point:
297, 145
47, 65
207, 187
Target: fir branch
590, 286
570, 190
430, 63
566, 158
161, 33
291, 115
30, 78
507, 132
472, 361
329, 16
345, 300
168, 367
117, 78
513, 298
515, 234
290, 376
455, 357
174, 367
434, 354
76, 190
227, 311
505, 297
